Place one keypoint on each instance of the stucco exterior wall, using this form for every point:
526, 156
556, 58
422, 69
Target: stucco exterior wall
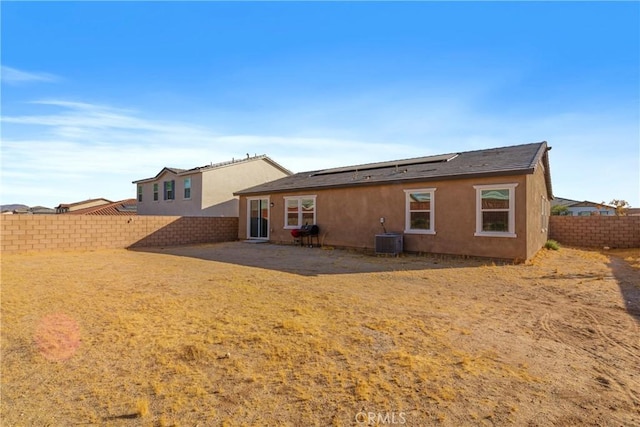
211, 190
350, 217
220, 184
538, 209
179, 206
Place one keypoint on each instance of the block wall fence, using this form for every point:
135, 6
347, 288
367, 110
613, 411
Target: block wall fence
596, 231
26, 233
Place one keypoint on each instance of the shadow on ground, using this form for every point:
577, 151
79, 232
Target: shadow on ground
628, 279
307, 261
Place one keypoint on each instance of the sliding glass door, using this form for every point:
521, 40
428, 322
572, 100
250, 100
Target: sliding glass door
258, 218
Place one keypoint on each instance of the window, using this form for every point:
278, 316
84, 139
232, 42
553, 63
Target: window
139, 192
169, 190
187, 188
299, 211
544, 217
155, 192
419, 211
495, 210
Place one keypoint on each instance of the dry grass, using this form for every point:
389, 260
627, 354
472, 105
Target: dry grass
135, 338
631, 256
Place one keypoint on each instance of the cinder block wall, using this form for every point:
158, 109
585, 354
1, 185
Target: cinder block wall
25, 233
596, 231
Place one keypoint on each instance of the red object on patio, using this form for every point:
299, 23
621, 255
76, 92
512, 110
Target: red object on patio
308, 231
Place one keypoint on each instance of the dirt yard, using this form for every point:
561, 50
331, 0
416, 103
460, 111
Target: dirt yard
259, 334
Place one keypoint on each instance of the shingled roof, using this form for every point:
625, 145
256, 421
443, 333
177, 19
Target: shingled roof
512, 160
200, 169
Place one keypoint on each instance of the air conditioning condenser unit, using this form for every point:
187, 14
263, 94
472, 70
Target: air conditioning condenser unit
389, 243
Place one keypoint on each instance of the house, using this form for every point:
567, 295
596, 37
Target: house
121, 207
489, 203
584, 208
23, 209
206, 190
70, 207
42, 210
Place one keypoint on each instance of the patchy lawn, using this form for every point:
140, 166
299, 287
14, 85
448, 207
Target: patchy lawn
240, 334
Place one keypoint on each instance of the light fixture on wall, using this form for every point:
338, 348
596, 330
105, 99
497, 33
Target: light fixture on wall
271, 204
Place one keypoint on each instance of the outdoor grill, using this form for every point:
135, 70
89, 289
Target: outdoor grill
306, 233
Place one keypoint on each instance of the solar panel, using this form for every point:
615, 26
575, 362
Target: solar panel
368, 166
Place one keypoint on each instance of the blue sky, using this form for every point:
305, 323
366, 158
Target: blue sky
98, 94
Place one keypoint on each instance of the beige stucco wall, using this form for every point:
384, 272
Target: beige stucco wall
177, 207
537, 202
211, 190
350, 217
221, 183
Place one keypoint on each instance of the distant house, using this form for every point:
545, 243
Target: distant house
584, 208
205, 190
70, 207
26, 210
490, 203
42, 210
122, 207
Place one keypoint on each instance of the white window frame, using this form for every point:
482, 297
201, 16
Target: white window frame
407, 210
140, 193
249, 200
155, 189
512, 210
299, 199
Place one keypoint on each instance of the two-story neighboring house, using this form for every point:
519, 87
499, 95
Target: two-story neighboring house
205, 190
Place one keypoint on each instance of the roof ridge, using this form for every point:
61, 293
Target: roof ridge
212, 165
538, 155
408, 159
229, 162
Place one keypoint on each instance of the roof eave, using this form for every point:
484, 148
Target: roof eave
155, 178
543, 156
278, 166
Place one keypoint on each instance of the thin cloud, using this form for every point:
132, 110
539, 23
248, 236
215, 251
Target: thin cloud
13, 76
88, 150
84, 150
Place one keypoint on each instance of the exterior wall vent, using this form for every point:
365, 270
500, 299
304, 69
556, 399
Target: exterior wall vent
389, 243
